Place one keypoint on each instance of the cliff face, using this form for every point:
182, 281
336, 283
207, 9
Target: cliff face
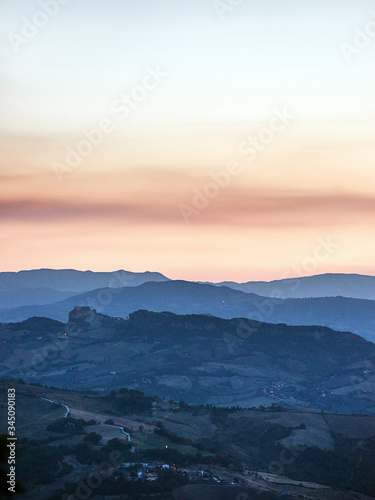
84, 316
91, 324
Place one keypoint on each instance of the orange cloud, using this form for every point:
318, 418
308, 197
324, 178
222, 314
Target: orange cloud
232, 207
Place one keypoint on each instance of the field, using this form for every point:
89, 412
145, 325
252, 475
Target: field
239, 445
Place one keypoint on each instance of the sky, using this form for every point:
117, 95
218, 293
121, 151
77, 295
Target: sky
207, 140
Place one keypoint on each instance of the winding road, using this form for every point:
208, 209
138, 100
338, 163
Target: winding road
57, 403
122, 430
68, 411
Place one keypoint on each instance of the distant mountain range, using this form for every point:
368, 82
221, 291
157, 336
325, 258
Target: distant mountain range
183, 297
70, 280
195, 358
17, 297
323, 285
46, 286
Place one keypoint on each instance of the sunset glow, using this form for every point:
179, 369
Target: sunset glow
118, 119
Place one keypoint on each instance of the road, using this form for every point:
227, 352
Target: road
121, 429
57, 403
68, 411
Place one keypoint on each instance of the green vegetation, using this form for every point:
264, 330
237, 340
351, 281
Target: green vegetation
69, 425
129, 401
160, 489
93, 437
230, 438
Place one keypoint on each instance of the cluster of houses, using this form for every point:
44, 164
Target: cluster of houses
283, 392
151, 470
143, 470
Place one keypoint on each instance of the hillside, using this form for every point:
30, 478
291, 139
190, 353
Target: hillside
195, 358
146, 445
183, 297
323, 285
71, 280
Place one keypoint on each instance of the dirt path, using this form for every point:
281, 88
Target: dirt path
119, 421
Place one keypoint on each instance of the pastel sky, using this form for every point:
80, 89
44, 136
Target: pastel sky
180, 89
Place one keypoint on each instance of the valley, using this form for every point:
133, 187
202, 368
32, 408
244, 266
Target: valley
179, 450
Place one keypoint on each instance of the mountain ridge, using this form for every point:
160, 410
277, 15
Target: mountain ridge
184, 297
350, 285
195, 358
73, 280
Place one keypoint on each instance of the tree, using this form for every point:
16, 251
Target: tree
93, 437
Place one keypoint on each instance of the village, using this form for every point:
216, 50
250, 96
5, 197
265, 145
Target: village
150, 471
